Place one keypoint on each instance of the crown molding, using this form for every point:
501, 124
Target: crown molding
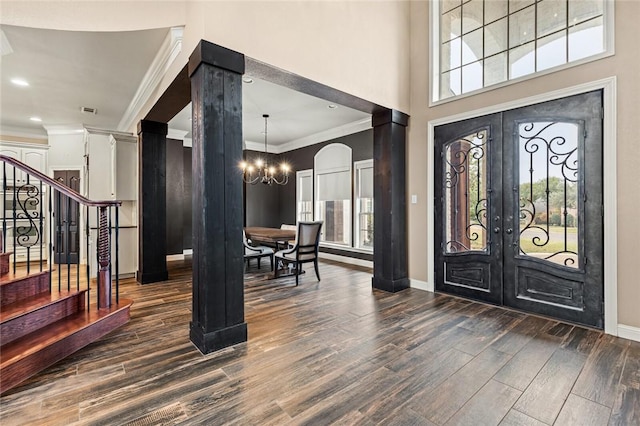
259, 146
107, 132
64, 129
5, 46
176, 134
23, 132
323, 136
167, 53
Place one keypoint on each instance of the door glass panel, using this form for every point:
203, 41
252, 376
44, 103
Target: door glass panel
465, 193
548, 191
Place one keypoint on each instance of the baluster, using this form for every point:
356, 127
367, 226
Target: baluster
109, 212
99, 292
104, 261
58, 238
87, 235
27, 201
50, 258
41, 223
117, 255
13, 214
67, 228
3, 243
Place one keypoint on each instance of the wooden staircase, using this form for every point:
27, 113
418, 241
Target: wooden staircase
39, 327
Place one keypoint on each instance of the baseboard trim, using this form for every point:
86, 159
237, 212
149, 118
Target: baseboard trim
629, 332
344, 259
187, 252
420, 285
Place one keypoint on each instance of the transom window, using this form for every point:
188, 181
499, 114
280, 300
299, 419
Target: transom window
481, 43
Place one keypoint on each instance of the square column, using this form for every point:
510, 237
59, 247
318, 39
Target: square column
152, 202
218, 257
390, 270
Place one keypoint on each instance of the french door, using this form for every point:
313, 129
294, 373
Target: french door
519, 209
67, 219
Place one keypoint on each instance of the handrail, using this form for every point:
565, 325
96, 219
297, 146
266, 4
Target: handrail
57, 185
37, 225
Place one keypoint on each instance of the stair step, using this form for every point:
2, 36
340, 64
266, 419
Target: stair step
26, 316
15, 287
36, 351
4, 262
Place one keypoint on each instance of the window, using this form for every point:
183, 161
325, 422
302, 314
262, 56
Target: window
481, 43
304, 195
332, 172
363, 196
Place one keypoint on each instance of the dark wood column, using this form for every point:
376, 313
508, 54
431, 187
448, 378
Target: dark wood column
218, 293
152, 207
390, 271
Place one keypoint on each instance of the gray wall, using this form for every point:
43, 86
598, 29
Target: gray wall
262, 202
178, 197
272, 206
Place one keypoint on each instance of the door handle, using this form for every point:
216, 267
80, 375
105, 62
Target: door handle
509, 231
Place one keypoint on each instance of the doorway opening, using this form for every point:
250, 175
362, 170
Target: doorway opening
67, 219
519, 207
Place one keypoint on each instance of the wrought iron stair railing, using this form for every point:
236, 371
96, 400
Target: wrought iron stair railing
36, 224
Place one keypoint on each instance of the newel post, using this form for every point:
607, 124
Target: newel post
104, 261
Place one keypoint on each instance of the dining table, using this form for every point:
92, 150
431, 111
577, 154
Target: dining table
277, 237
271, 236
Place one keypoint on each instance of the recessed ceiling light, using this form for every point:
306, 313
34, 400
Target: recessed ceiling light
19, 82
247, 80
332, 106
38, 119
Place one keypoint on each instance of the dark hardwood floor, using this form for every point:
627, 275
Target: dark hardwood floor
337, 352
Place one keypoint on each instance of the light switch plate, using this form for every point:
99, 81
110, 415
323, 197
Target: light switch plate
414, 199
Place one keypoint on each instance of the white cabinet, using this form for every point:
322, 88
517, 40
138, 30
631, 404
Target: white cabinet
124, 160
112, 161
33, 156
112, 174
24, 208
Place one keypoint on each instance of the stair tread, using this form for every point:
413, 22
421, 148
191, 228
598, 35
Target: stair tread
33, 303
11, 277
31, 343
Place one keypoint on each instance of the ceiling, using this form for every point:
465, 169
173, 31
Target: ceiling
67, 70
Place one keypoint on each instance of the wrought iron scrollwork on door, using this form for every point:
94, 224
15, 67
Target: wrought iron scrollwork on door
548, 191
465, 193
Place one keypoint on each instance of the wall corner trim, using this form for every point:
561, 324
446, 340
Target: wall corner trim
629, 332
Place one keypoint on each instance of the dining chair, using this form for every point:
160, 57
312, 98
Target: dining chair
255, 252
285, 243
305, 249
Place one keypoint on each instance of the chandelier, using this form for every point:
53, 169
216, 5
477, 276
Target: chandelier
260, 171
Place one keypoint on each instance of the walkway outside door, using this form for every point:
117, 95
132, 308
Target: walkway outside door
67, 219
518, 209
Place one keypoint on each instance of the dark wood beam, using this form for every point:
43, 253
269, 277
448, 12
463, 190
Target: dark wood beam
173, 100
